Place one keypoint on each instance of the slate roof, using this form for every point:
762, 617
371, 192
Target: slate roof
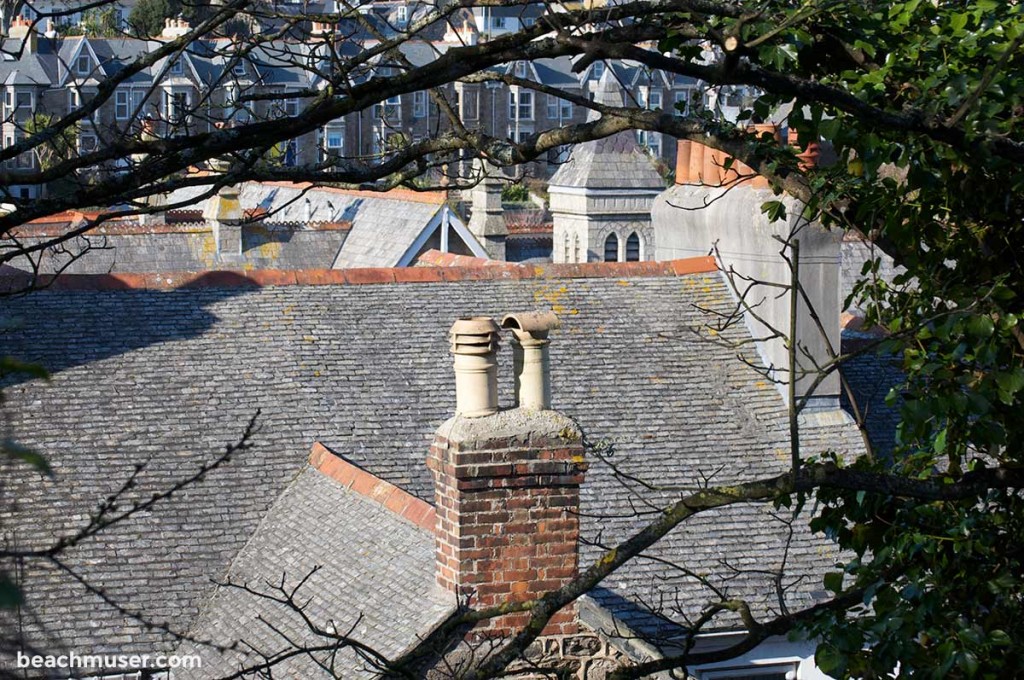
386, 565
383, 226
169, 377
193, 248
614, 162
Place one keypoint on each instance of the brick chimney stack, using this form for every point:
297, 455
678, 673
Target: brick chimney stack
507, 492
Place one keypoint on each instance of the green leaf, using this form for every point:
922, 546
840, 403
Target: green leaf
980, 326
834, 581
775, 210
10, 365
16, 451
10, 593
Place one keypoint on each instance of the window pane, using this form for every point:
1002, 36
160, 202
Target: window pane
611, 248
633, 248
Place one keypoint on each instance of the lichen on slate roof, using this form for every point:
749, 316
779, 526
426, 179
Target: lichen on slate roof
167, 378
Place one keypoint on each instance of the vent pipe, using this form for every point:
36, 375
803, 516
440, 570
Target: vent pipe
530, 360
475, 346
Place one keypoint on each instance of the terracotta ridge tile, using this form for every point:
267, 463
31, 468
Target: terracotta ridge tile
386, 494
493, 271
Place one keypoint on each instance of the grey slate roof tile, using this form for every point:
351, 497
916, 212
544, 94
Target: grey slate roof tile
372, 574
168, 377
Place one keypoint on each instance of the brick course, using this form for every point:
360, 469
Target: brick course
507, 515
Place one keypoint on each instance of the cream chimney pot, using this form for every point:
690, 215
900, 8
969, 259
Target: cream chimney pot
530, 360
475, 346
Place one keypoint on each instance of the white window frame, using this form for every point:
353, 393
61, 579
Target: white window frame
291, 106
419, 104
74, 99
84, 147
470, 112
31, 100
171, 113
597, 70
746, 671
122, 104
390, 109
291, 149
331, 130
520, 101
558, 108
402, 17
83, 65
238, 68
520, 69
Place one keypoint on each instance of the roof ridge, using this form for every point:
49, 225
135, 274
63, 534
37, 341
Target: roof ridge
386, 494
257, 278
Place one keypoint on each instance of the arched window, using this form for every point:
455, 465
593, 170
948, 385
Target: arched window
575, 248
633, 248
611, 248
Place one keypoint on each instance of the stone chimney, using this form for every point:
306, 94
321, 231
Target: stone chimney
507, 492
487, 220
223, 214
175, 28
21, 28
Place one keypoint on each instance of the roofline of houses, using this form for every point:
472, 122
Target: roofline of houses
435, 268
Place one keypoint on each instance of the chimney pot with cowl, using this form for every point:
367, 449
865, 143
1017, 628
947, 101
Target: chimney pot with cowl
530, 359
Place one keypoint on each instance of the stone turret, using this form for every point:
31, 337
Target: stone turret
601, 197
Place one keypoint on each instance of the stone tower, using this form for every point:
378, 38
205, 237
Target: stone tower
601, 198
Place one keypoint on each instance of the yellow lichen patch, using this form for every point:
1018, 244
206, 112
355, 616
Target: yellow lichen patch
760, 384
623, 282
656, 379
600, 329
208, 249
309, 338
781, 454
288, 310
269, 249
573, 312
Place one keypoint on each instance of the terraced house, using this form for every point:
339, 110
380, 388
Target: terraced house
47, 75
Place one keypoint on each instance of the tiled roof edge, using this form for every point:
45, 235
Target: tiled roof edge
435, 258
354, 478
257, 278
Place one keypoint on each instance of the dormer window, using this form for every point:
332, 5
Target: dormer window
598, 70
238, 69
403, 15
520, 69
291, 106
177, 68
83, 65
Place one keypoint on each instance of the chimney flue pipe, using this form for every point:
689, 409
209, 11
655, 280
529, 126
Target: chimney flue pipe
530, 360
